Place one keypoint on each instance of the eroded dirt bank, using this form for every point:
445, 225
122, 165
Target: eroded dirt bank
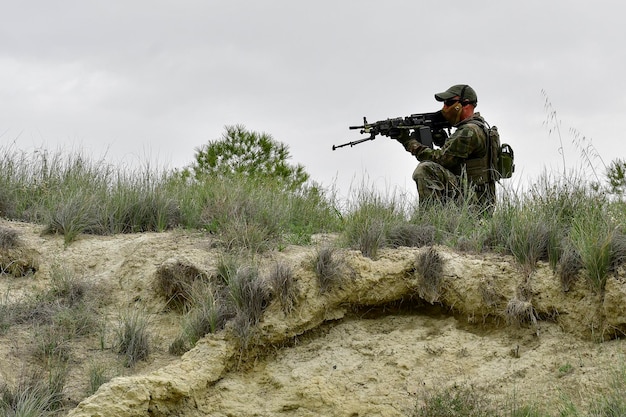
368, 347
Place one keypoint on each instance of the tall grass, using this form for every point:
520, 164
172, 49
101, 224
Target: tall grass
132, 336
72, 195
369, 218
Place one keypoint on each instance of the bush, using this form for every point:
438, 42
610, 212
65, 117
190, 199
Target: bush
248, 154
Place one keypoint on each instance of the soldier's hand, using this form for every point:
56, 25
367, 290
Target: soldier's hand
412, 145
395, 133
401, 135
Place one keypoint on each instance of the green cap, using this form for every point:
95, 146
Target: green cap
464, 91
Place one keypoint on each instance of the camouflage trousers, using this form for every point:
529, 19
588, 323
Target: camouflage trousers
436, 184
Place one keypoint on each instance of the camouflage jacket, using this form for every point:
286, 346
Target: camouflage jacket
467, 142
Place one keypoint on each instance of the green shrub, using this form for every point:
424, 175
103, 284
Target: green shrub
249, 154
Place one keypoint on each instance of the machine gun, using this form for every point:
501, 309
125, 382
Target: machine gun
426, 128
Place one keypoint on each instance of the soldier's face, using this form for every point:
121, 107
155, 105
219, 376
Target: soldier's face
452, 110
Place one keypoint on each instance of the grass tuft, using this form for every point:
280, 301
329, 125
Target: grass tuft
9, 238
327, 269
132, 338
429, 268
283, 286
520, 312
250, 296
411, 235
174, 282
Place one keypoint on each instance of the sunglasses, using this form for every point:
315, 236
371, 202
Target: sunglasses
451, 101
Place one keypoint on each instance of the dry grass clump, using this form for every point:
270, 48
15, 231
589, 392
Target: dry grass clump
67, 309
250, 296
14, 259
520, 312
206, 312
132, 337
429, 268
462, 401
570, 267
618, 250
174, 281
9, 238
327, 269
283, 286
411, 235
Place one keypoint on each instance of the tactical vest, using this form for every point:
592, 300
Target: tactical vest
479, 169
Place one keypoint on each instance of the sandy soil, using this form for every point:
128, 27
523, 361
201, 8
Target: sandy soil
370, 348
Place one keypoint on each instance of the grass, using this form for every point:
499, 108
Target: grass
564, 220
328, 268
464, 400
429, 269
9, 238
283, 286
250, 296
98, 374
175, 281
34, 395
132, 339
206, 313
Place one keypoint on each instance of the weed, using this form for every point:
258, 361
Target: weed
132, 338
283, 286
206, 314
51, 344
570, 267
327, 269
565, 369
9, 238
458, 401
250, 296
519, 312
98, 374
368, 222
591, 235
178, 346
73, 215
429, 268
34, 395
174, 282
529, 239
412, 235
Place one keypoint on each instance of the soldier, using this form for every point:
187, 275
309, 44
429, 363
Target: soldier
461, 167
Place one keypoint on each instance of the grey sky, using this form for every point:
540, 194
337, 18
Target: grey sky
152, 80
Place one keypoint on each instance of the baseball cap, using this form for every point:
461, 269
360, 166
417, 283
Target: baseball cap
464, 91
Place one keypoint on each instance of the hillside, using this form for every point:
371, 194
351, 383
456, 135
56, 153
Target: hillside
376, 344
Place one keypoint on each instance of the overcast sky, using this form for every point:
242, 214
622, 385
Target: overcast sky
152, 80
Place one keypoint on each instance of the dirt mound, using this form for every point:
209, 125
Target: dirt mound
410, 321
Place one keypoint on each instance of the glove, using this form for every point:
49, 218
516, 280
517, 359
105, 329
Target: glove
395, 133
401, 135
412, 146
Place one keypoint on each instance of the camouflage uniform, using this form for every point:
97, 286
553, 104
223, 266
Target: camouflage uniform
459, 169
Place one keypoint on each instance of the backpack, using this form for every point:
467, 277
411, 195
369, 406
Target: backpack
502, 157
